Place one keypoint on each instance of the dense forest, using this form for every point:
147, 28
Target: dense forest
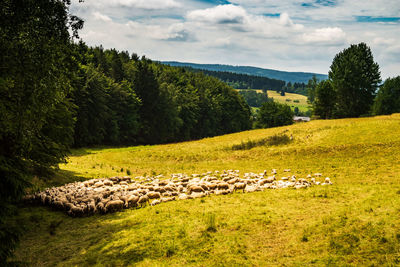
123, 100
245, 81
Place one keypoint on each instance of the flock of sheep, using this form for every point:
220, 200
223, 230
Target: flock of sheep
116, 193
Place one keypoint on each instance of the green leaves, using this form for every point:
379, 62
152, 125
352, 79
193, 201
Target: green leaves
388, 99
355, 78
273, 114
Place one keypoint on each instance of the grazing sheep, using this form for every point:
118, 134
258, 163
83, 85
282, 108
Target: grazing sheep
143, 200
131, 201
159, 189
76, 211
153, 195
114, 205
183, 196
223, 186
239, 186
166, 199
205, 187
155, 202
198, 195
195, 188
108, 182
162, 183
99, 184
327, 181
115, 193
233, 181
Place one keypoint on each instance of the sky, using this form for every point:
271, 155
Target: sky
287, 35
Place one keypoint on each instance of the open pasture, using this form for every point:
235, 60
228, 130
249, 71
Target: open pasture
355, 221
293, 100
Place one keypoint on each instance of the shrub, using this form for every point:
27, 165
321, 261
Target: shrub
278, 139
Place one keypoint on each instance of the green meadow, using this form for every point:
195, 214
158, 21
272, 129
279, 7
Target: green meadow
290, 99
354, 222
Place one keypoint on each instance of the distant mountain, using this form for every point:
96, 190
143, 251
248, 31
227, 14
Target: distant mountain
299, 77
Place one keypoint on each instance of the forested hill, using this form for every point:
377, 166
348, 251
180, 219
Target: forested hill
241, 81
293, 77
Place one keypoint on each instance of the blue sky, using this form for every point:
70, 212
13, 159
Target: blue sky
285, 35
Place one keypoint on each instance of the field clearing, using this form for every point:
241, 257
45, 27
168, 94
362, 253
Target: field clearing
288, 99
354, 222
302, 105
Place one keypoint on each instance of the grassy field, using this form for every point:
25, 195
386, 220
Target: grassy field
290, 99
355, 222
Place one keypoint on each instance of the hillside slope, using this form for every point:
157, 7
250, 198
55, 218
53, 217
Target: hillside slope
299, 77
356, 221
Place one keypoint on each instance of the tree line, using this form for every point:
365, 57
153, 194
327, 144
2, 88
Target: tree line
244, 81
123, 100
254, 98
354, 87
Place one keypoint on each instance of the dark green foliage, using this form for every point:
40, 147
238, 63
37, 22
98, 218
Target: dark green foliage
253, 98
273, 114
311, 87
296, 77
355, 78
36, 114
388, 99
242, 81
325, 99
106, 111
153, 103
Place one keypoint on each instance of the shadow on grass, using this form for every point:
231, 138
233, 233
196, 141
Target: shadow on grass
56, 177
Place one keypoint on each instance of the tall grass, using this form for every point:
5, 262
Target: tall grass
277, 139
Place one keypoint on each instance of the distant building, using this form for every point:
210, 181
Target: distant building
301, 119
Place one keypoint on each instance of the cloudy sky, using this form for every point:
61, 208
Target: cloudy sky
286, 35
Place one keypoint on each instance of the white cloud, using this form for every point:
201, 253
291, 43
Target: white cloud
328, 36
237, 19
222, 14
146, 4
383, 41
175, 31
99, 16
